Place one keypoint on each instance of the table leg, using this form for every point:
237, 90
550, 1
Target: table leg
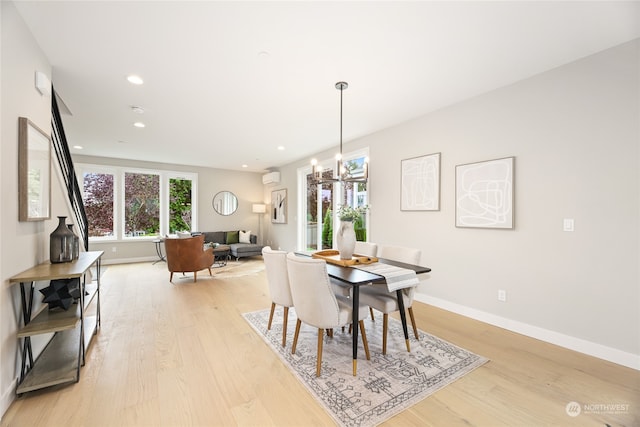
159, 252
98, 266
27, 307
354, 323
403, 317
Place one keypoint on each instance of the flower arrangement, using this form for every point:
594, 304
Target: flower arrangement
348, 213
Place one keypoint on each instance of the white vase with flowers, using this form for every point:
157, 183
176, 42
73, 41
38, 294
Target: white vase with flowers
346, 236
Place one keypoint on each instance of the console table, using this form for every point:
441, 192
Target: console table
60, 360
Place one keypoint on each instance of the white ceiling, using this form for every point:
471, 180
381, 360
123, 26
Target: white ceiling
226, 83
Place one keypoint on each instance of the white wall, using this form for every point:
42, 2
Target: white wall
574, 132
23, 244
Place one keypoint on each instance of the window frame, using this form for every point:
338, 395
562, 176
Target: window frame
118, 173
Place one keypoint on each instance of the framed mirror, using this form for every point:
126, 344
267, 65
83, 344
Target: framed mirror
34, 172
225, 203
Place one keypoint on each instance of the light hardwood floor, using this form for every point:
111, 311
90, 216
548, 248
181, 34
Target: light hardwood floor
181, 354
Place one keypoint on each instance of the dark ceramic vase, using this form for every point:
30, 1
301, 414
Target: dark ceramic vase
76, 243
61, 243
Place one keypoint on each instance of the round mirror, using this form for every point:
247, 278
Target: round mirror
225, 203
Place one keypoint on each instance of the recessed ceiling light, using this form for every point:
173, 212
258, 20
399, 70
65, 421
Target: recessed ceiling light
137, 109
281, 147
245, 166
136, 80
139, 124
78, 147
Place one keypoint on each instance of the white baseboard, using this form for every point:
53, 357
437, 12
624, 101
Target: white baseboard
577, 344
8, 396
129, 260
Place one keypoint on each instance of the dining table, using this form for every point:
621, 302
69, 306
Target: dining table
354, 277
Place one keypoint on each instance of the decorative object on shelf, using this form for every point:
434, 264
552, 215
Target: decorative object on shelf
341, 173
34, 172
61, 243
346, 238
76, 243
420, 183
59, 293
484, 194
279, 206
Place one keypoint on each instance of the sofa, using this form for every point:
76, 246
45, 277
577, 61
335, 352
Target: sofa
242, 244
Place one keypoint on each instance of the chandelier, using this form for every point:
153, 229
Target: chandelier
341, 172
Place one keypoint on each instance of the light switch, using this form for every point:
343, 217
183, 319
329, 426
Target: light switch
568, 224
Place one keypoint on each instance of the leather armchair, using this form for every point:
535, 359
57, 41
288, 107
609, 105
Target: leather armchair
188, 255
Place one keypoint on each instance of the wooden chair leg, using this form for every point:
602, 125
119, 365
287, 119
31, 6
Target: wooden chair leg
413, 322
210, 274
295, 337
330, 333
195, 276
171, 276
273, 308
284, 326
365, 343
319, 362
385, 324
371, 312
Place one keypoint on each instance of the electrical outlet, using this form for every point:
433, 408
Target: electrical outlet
567, 224
114, 249
502, 295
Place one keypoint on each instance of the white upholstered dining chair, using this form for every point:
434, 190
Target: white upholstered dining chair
317, 305
381, 299
366, 248
275, 263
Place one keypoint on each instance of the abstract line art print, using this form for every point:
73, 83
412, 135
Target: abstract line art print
420, 183
484, 194
279, 206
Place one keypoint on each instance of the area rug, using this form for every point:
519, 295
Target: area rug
385, 385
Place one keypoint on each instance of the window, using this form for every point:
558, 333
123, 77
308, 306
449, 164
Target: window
180, 213
98, 203
147, 203
141, 204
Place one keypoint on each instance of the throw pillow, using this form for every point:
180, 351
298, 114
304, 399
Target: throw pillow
245, 236
183, 234
232, 237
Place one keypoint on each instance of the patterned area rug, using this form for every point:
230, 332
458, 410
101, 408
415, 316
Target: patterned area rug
385, 385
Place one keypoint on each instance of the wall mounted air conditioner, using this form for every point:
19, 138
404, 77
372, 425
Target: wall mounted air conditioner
271, 178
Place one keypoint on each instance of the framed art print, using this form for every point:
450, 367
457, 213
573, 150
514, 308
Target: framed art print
420, 183
484, 194
34, 172
279, 206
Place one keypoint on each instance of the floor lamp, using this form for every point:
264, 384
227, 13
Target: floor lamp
260, 209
